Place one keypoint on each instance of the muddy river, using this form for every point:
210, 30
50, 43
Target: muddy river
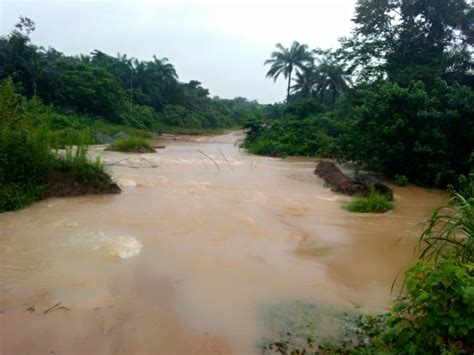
208, 250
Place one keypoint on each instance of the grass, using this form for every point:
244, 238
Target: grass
450, 231
373, 203
76, 164
132, 144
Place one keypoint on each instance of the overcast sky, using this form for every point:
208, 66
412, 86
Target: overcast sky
222, 44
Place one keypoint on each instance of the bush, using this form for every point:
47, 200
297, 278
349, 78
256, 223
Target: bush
132, 144
425, 134
373, 203
401, 180
27, 162
24, 163
313, 136
77, 165
437, 315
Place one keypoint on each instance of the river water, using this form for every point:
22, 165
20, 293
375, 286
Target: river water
202, 253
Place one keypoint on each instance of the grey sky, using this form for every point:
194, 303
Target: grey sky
222, 44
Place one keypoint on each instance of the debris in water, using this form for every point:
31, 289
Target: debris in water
51, 308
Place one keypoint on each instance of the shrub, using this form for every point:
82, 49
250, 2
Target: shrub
77, 165
132, 144
401, 180
313, 136
373, 203
437, 315
24, 162
27, 162
423, 133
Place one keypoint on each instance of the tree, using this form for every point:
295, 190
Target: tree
284, 61
325, 80
332, 81
405, 40
306, 80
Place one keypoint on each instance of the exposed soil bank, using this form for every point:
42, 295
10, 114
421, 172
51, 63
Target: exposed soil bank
359, 186
62, 184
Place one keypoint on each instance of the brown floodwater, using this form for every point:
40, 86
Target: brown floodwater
203, 238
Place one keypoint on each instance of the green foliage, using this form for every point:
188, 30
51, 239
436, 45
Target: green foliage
435, 316
26, 156
325, 78
24, 162
450, 231
373, 203
132, 144
426, 135
75, 164
437, 313
120, 90
401, 180
411, 40
313, 136
284, 60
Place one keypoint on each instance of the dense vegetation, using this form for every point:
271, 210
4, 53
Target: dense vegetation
29, 163
132, 144
373, 203
397, 97
51, 101
119, 90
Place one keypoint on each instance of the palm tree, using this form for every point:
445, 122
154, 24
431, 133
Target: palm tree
284, 61
333, 80
326, 80
306, 81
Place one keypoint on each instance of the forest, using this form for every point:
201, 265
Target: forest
115, 89
396, 97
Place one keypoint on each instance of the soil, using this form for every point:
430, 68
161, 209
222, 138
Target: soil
141, 149
359, 186
61, 184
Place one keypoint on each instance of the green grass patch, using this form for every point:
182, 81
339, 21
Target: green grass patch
132, 144
373, 203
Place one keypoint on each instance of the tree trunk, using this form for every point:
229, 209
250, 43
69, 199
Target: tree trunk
288, 90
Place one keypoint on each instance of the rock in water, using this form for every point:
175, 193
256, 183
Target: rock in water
339, 182
369, 180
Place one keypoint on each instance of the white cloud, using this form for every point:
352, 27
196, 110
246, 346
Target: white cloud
221, 43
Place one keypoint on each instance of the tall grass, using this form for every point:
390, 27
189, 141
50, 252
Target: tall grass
373, 203
132, 144
450, 231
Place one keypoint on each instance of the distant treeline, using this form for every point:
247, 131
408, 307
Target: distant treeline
121, 90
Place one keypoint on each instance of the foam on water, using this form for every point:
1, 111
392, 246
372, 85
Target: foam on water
123, 247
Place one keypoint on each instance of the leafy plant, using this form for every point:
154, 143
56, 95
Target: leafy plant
373, 203
132, 144
401, 180
450, 231
437, 314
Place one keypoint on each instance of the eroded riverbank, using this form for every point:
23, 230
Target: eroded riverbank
202, 238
